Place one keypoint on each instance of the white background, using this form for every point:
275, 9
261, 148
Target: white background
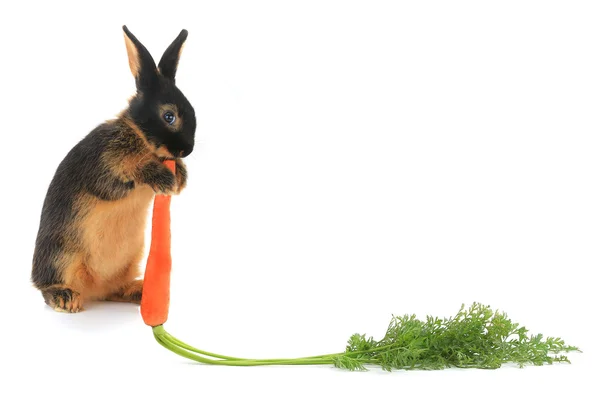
354, 160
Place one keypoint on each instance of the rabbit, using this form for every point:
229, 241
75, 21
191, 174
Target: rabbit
91, 233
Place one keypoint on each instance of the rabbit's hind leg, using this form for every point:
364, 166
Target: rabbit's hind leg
63, 299
130, 293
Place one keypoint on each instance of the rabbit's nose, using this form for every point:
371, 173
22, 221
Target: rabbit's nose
186, 152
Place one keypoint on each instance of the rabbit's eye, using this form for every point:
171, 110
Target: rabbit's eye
169, 117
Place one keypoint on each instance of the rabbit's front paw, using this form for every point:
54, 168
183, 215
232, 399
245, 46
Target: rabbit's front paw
160, 179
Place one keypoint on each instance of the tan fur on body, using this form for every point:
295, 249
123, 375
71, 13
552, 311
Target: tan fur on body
112, 235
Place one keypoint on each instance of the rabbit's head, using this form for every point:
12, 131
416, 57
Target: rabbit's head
159, 110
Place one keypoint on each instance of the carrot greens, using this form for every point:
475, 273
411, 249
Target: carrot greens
476, 337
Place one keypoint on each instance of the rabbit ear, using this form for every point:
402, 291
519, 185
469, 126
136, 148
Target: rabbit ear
168, 62
141, 62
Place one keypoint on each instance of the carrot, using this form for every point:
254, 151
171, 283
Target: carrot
477, 337
157, 277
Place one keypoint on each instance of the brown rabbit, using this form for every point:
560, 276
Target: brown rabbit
91, 235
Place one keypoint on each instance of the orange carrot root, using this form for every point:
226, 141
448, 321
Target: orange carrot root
157, 277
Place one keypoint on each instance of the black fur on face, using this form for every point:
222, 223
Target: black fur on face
159, 108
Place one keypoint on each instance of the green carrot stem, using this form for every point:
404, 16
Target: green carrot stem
174, 347
161, 331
